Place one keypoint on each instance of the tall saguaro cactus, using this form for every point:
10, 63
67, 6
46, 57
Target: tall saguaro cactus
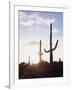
40, 52
51, 49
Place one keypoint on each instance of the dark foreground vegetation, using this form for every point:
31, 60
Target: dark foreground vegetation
41, 70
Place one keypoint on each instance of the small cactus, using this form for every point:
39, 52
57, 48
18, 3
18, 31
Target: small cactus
40, 53
29, 60
59, 59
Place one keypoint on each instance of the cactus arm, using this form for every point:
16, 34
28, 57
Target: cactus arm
46, 50
40, 54
53, 48
55, 45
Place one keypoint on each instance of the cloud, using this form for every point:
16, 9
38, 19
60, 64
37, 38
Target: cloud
22, 15
27, 23
34, 18
55, 31
32, 43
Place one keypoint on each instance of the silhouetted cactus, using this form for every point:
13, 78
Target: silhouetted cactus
59, 59
51, 49
29, 60
40, 53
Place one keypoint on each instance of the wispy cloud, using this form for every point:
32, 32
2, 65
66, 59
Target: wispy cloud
55, 31
32, 43
34, 18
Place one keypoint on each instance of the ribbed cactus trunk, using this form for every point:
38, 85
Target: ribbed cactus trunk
40, 52
51, 48
51, 52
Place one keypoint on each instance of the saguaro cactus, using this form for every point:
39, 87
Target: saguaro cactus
29, 60
40, 53
51, 49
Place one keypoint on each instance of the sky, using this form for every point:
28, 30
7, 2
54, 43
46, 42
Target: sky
34, 26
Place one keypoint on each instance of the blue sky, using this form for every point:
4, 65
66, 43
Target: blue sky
34, 25
39, 29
